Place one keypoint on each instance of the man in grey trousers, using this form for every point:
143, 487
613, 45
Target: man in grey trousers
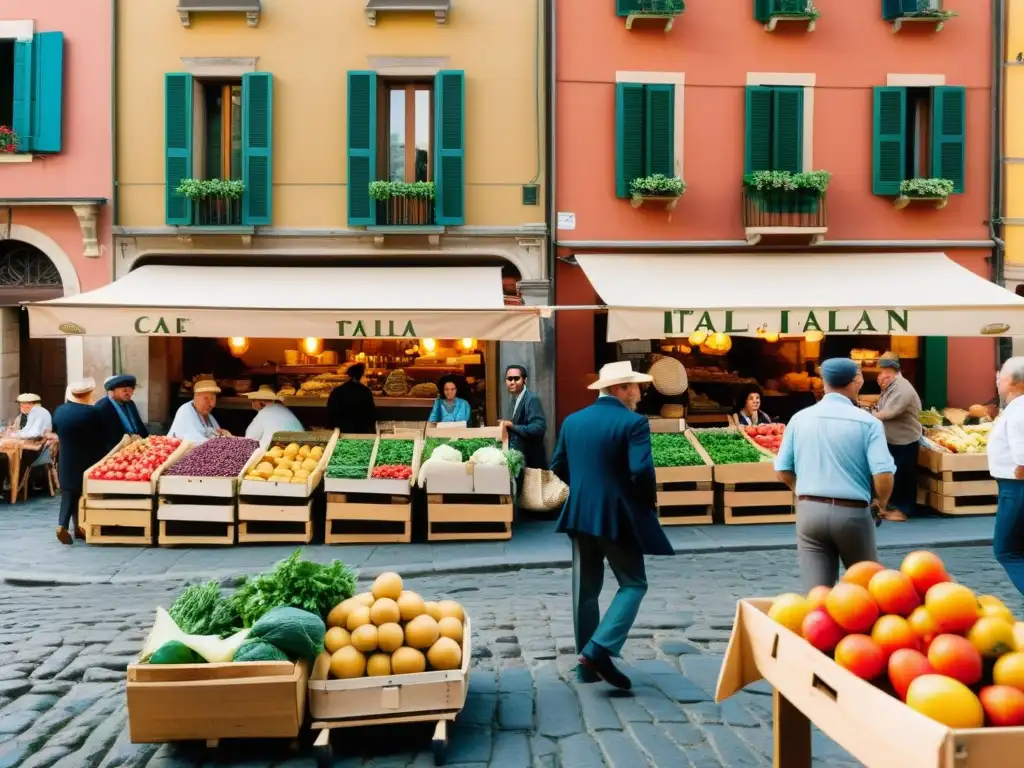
834, 457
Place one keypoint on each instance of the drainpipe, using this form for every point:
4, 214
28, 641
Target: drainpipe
995, 224
114, 345
550, 62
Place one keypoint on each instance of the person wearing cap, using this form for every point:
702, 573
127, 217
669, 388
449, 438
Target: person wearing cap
835, 459
449, 407
271, 415
351, 407
194, 421
604, 456
899, 410
118, 414
76, 423
37, 420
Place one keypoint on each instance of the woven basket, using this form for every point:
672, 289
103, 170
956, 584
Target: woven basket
542, 491
669, 376
672, 411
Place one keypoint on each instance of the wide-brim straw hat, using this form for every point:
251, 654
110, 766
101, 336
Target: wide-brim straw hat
265, 392
619, 373
79, 390
204, 386
29, 397
669, 376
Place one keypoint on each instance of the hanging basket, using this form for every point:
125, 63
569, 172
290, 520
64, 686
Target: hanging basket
669, 376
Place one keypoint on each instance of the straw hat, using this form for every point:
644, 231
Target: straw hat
28, 397
205, 385
669, 376
265, 392
79, 390
618, 373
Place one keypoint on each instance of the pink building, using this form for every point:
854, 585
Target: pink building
56, 189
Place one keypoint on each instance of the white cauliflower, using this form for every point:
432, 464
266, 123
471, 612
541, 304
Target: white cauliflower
442, 454
489, 456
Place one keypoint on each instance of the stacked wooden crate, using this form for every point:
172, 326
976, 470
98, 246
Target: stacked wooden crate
686, 495
196, 510
956, 483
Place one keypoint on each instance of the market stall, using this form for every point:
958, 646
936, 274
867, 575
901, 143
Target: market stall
953, 476
684, 474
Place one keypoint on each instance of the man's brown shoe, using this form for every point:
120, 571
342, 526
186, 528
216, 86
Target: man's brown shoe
79, 533
63, 536
894, 516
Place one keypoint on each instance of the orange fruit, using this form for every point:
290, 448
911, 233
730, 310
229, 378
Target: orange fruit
861, 573
993, 606
955, 657
992, 637
892, 633
894, 592
861, 655
1009, 670
790, 610
925, 570
923, 624
905, 666
1003, 705
852, 607
954, 607
946, 701
817, 596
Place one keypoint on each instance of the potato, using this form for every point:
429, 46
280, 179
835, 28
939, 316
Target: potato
304, 451
309, 465
283, 462
291, 450
277, 452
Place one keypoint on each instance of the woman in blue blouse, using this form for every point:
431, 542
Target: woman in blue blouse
448, 407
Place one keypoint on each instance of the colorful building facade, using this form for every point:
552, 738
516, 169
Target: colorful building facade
320, 110
1013, 151
874, 93
55, 185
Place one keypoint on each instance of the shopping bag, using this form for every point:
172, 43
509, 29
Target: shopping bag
542, 491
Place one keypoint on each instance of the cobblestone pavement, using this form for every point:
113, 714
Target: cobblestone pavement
63, 652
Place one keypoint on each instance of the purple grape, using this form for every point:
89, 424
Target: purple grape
217, 457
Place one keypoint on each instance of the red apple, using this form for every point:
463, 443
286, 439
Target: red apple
905, 666
821, 630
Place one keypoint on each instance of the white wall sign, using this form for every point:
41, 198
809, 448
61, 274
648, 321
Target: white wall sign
566, 220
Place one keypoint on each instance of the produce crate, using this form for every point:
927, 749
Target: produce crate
344, 484
190, 522
368, 518
469, 478
686, 495
289, 520
274, 490
458, 517
375, 485
209, 702
432, 696
956, 483
874, 727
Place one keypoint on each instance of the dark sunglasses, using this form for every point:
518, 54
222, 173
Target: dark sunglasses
513, 378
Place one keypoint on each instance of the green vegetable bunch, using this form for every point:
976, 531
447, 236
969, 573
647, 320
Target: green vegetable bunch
467, 446
725, 447
350, 460
515, 461
391, 452
202, 610
674, 450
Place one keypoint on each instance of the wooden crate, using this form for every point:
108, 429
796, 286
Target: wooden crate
274, 491
132, 488
365, 518
121, 525
956, 483
190, 523
686, 495
377, 485
961, 505
942, 463
290, 520
349, 485
209, 702
457, 517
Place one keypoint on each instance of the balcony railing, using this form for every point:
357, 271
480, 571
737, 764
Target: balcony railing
405, 212
792, 215
217, 212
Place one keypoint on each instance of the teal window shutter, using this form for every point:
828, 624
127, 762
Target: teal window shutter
788, 129
936, 367
889, 138
759, 129
178, 145
626, 7
763, 10
362, 147
21, 122
450, 150
659, 126
949, 103
629, 136
257, 148
48, 88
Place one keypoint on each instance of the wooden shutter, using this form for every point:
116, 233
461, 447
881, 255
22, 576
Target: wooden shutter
177, 145
48, 88
890, 144
762, 10
626, 7
450, 150
788, 129
257, 148
362, 147
759, 129
659, 126
21, 122
629, 136
949, 103
936, 370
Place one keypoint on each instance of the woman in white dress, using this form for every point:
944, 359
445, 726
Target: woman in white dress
271, 416
194, 420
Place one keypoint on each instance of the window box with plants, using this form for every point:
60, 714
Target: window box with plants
900, 12
784, 203
771, 12
10, 147
404, 204
657, 189
927, 190
215, 202
644, 10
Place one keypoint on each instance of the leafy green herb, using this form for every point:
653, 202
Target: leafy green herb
202, 610
351, 459
515, 460
297, 583
674, 450
725, 447
467, 446
392, 452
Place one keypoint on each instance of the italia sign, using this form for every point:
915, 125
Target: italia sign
683, 322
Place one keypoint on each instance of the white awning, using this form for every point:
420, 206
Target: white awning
653, 296
292, 302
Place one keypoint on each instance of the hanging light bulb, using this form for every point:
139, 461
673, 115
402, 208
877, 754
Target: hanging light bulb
813, 337
238, 345
697, 338
468, 343
771, 338
311, 345
720, 342
429, 345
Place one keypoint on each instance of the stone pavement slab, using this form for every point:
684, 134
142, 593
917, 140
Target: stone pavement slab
30, 554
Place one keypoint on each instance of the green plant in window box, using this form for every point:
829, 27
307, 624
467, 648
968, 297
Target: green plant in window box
660, 7
926, 188
926, 10
386, 190
8, 140
766, 10
404, 204
787, 192
216, 202
658, 185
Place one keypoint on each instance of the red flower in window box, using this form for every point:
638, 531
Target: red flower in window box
8, 140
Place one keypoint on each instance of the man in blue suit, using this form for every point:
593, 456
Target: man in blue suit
118, 415
604, 455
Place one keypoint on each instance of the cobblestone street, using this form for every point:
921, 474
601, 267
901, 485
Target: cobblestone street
63, 652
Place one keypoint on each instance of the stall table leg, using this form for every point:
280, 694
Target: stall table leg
792, 731
322, 749
439, 742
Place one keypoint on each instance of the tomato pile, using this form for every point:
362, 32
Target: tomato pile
136, 461
767, 435
948, 654
392, 472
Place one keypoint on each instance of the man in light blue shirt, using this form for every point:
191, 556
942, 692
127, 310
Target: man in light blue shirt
835, 459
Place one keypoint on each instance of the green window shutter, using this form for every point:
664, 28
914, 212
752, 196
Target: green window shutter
450, 151
936, 354
626, 7
949, 103
48, 88
659, 125
21, 122
759, 129
177, 145
362, 147
889, 139
629, 136
257, 148
892, 9
763, 10
788, 129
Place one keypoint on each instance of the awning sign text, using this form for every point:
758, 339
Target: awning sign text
683, 322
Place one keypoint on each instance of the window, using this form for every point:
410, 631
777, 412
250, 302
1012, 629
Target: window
406, 131
894, 9
774, 128
31, 90
644, 132
918, 133
221, 129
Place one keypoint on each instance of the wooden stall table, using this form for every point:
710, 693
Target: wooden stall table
13, 448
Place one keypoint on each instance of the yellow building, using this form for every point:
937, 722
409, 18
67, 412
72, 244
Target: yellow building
1013, 151
343, 133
